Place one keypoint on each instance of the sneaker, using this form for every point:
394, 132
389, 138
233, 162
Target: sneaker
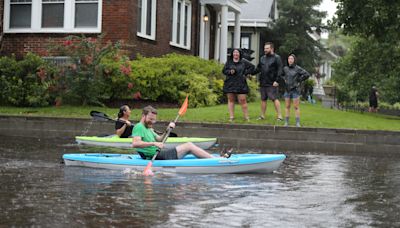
226, 153
260, 118
279, 119
231, 119
298, 125
286, 124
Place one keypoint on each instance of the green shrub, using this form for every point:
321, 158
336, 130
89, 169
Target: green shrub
25, 82
172, 76
97, 71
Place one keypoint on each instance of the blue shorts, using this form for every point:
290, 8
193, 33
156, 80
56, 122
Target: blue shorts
292, 94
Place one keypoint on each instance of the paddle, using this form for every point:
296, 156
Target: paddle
147, 171
100, 116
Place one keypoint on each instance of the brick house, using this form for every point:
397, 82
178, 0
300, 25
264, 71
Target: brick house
150, 27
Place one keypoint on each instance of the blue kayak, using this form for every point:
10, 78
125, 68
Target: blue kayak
237, 163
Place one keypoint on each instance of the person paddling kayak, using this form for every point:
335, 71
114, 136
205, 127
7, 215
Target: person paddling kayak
148, 142
123, 127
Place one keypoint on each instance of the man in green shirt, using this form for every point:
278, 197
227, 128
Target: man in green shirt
147, 141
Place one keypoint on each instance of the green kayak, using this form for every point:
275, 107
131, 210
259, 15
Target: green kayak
115, 141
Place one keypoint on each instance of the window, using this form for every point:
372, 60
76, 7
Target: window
181, 23
52, 13
86, 13
52, 16
146, 26
20, 13
245, 42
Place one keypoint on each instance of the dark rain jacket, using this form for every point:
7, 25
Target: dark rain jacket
237, 83
293, 75
270, 69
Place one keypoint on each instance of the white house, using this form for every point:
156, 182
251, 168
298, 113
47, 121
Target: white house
256, 17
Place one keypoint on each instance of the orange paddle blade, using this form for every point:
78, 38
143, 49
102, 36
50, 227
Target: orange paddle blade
184, 107
147, 171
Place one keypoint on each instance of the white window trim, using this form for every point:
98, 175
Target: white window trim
144, 20
36, 19
182, 34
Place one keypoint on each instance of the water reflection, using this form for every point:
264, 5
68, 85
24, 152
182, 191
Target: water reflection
309, 190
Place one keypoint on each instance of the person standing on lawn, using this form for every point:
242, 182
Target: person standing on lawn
236, 70
270, 69
293, 76
373, 100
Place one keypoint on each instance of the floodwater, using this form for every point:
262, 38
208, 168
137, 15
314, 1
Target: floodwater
309, 190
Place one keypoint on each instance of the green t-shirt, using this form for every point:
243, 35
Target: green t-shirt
147, 135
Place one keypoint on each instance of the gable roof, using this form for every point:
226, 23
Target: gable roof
255, 13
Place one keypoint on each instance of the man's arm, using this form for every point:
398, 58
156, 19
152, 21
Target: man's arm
159, 138
279, 65
279, 71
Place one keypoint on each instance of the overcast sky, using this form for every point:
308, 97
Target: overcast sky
330, 7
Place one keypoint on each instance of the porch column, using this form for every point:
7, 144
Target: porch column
217, 37
236, 43
202, 33
224, 34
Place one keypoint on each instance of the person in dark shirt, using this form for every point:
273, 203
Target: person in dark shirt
123, 127
270, 69
373, 100
235, 85
293, 75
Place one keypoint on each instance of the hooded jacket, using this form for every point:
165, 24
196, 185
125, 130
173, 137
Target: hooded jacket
270, 69
236, 82
293, 75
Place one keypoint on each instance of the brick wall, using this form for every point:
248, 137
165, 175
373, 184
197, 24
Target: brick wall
161, 46
119, 23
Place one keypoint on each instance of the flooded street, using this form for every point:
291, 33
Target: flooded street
308, 190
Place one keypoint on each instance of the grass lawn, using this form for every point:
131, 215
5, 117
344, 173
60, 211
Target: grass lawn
311, 115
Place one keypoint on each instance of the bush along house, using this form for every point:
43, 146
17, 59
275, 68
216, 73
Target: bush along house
147, 27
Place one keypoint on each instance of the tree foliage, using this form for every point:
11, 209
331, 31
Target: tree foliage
380, 19
374, 57
291, 32
364, 67
339, 43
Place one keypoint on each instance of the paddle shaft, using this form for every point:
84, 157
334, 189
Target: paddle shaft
164, 140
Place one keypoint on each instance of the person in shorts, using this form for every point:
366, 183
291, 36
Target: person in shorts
147, 142
270, 69
293, 75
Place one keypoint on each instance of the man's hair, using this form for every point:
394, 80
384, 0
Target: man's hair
270, 44
149, 109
